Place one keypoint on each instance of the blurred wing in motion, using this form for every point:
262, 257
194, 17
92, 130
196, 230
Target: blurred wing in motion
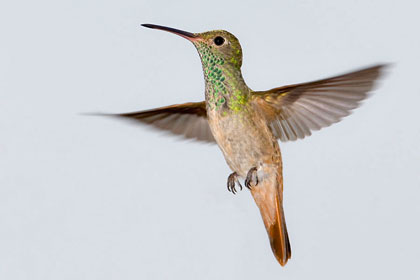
294, 111
188, 120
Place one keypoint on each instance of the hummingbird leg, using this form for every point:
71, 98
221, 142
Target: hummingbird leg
251, 178
232, 181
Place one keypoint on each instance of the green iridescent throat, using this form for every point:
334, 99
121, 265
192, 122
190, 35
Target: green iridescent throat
221, 86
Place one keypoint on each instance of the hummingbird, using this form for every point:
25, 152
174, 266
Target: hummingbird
247, 124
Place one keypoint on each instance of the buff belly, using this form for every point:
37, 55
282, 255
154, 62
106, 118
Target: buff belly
245, 141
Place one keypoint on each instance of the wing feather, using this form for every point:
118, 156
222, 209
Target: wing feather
188, 120
294, 111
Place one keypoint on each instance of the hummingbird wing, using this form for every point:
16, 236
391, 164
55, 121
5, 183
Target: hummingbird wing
294, 111
188, 120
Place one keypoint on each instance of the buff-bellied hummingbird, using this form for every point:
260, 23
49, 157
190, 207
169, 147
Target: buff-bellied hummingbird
247, 124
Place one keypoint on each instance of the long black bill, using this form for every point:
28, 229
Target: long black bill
182, 33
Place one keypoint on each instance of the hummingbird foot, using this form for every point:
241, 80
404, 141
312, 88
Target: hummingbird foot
232, 181
251, 178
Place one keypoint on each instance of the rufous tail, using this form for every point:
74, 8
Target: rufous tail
268, 194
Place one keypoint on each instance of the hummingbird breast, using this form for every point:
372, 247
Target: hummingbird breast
240, 131
245, 139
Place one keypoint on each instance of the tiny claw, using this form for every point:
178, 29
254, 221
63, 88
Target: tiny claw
251, 177
240, 186
232, 180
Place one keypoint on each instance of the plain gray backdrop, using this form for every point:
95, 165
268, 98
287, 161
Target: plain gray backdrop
96, 198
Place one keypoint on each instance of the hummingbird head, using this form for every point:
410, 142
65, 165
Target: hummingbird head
221, 58
219, 45
215, 47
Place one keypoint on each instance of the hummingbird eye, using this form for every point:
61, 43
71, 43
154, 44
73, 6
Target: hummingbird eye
219, 41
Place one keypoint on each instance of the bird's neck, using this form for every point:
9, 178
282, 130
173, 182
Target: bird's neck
225, 87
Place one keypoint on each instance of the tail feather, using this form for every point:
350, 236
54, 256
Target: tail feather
269, 199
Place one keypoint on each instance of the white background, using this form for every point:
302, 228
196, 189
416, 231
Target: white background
96, 198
